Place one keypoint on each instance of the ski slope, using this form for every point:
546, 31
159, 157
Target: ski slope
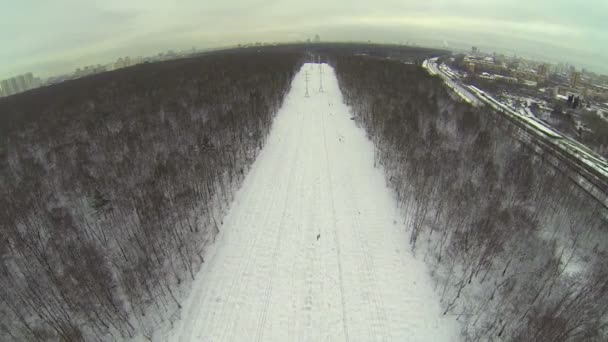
313, 248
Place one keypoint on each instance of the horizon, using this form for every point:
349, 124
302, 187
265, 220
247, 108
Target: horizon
57, 38
454, 47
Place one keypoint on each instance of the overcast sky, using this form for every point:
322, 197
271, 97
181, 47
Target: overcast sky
50, 37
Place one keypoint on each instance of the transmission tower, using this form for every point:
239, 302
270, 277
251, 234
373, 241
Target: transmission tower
306, 78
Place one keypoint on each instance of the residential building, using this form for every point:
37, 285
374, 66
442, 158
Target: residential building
6, 89
19, 84
22, 86
14, 88
575, 79
123, 63
29, 80
119, 63
471, 67
542, 72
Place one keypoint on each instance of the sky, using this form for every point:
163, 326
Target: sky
52, 37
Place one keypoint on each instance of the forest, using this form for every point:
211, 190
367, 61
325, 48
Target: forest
517, 251
113, 186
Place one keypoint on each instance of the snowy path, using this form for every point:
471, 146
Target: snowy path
310, 249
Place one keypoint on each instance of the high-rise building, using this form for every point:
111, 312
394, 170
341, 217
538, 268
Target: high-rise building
541, 73
120, 63
12, 83
575, 79
474, 50
21, 83
542, 70
2, 92
471, 67
29, 80
5, 88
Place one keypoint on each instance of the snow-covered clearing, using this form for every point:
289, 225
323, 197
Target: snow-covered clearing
313, 247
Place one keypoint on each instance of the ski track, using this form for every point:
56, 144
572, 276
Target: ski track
270, 278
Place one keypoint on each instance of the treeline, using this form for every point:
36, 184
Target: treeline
112, 186
597, 136
517, 250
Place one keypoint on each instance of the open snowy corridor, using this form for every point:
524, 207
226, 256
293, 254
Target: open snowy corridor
313, 248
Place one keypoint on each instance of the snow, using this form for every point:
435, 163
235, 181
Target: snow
541, 127
431, 66
313, 247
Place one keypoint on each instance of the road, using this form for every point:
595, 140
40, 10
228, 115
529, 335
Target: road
587, 164
465, 94
313, 247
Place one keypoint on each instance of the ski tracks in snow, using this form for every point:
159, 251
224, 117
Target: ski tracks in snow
309, 250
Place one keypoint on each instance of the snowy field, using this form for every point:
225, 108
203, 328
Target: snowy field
313, 248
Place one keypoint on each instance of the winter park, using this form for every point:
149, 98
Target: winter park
422, 181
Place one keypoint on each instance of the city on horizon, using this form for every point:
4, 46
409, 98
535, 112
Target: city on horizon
56, 42
26, 81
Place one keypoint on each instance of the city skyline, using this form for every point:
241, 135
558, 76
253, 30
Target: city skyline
124, 61
60, 36
18, 84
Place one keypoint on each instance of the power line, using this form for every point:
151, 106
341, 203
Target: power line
306, 78
320, 76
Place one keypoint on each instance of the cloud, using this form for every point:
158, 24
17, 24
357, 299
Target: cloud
49, 37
